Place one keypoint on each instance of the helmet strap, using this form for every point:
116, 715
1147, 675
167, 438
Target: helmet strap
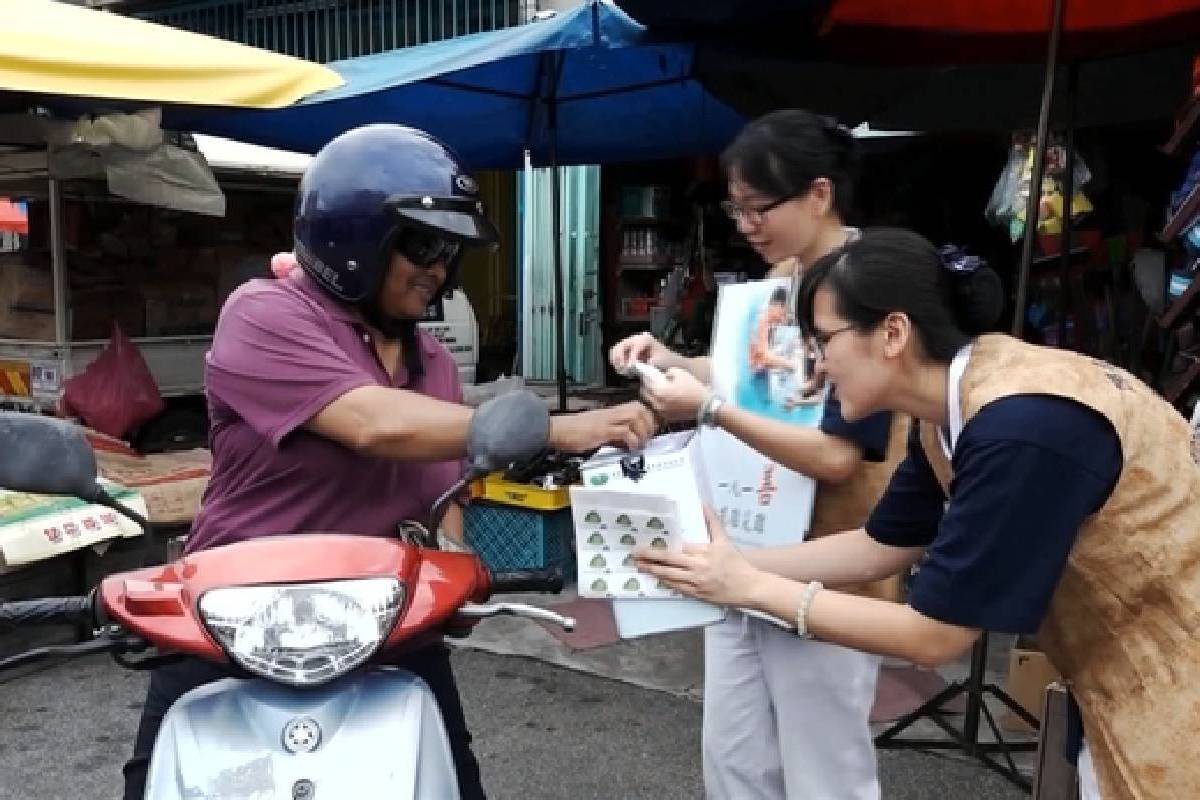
405, 329
393, 328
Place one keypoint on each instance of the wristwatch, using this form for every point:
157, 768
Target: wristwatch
706, 417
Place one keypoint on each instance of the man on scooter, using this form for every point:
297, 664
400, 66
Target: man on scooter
330, 409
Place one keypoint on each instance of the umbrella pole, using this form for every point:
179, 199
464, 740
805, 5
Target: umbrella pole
560, 345
1039, 163
1064, 280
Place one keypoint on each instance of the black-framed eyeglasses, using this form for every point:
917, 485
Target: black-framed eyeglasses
426, 248
821, 340
752, 216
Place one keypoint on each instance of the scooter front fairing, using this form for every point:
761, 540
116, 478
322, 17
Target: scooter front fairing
375, 733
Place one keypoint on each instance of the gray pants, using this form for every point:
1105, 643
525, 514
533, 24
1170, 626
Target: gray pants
786, 717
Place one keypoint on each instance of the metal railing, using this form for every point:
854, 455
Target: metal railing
331, 30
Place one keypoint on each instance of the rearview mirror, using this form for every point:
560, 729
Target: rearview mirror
43, 455
509, 428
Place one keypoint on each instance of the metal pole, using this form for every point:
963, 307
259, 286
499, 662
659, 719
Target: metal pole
58, 268
1064, 279
560, 344
1039, 163
975, 696
525, 294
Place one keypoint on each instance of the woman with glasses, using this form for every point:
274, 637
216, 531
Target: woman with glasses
1044, 492
785, 718
331, 410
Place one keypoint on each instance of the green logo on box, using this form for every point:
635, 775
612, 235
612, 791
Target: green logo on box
599, 480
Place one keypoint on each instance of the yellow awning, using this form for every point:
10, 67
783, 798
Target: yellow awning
55, 48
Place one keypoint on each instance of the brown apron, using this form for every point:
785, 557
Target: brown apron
845, 506
1124, 622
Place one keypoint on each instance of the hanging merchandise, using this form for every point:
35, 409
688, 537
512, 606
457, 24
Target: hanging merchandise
1191, 180
1010, 197
1191, 239
1185, 272
1183, 275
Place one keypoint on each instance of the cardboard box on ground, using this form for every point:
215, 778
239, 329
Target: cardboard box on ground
171, 484
1029, 673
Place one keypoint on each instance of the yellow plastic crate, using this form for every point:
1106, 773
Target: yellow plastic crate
495, 489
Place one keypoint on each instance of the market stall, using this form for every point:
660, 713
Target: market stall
155, 266
108, 243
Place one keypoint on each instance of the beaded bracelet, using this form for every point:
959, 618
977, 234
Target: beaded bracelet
806, 599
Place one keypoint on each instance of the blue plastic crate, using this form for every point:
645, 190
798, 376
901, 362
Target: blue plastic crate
507, 537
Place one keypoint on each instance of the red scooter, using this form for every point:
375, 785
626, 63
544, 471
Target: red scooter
309, 620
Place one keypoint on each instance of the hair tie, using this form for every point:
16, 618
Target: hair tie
838, 129
958, 261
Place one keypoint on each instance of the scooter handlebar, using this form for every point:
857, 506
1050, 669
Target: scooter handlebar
477, 611
47, 610
549, 581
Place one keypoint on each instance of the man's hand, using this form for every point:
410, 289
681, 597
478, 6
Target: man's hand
628, 425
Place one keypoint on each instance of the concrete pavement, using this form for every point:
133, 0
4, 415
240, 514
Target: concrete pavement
674, 663
541, 733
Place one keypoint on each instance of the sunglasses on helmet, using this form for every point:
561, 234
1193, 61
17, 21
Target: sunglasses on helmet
426, 248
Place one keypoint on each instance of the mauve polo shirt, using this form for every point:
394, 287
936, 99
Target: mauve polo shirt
283, 350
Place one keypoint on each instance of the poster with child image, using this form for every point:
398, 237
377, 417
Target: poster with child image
761, 364
760, 360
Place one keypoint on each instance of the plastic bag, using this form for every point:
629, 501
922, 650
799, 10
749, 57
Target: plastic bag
140, 130
168, 177
116, 392
1008, 204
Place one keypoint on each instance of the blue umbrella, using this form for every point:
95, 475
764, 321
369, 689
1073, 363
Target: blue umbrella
589, 81
584, 87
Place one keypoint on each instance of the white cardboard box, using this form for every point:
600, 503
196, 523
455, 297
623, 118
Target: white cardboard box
670, 467
609, 526
761, 503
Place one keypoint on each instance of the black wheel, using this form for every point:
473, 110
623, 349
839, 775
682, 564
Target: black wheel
173, 430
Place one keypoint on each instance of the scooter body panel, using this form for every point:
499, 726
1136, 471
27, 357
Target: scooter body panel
373, 734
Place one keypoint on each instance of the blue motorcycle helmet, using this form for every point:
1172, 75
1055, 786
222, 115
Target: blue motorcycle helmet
379, 188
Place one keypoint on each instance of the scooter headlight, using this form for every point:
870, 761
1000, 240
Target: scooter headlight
306, 633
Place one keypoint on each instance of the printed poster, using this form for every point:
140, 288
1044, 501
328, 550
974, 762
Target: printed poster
761, 364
